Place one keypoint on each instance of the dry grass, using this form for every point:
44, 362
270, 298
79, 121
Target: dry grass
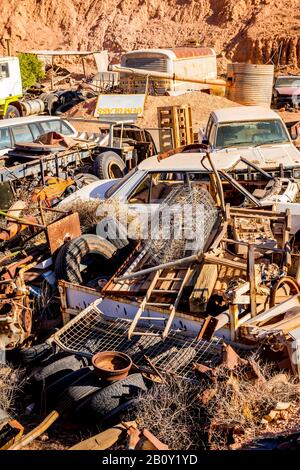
93, 211
209, 414
172, 413
10, 383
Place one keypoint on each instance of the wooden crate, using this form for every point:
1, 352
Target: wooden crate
179, 119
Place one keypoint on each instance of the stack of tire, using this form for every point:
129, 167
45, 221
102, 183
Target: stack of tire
69, 378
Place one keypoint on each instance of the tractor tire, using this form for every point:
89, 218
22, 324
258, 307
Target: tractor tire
108, 165
12, 112
70, 256
110, 397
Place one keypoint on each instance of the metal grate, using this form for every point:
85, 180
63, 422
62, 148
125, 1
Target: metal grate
90, 332
156, 64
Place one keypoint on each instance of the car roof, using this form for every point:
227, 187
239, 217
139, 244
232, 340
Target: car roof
188, 162
244, 113
26, 120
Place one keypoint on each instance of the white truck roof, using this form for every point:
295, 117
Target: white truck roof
244, 113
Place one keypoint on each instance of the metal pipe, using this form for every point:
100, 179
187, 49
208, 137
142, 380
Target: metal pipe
219, 184
257, 247
22, 221
167, 76
170, 264
251, 277
36, 432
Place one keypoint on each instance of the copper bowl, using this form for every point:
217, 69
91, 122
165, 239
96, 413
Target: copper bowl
111, 365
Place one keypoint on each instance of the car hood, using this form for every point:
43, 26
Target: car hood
95, 190
288, 90
265, 156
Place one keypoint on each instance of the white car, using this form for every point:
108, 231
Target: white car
27, 129
145, 187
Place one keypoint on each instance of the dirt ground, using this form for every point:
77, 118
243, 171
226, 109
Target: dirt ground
201, 103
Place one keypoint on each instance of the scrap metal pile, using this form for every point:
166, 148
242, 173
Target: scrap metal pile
162, 307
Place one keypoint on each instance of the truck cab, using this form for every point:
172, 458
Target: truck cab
10, 87
255, 133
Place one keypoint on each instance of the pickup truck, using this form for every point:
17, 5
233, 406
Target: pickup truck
258, 134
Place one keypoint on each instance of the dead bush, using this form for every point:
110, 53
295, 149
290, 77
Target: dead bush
172, 412
10, 383
93, 211
209, 414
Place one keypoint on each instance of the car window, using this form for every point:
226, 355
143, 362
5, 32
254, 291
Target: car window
35, 130
4, 70
56, 126
22, 133
5, 141
120, 182
141, 195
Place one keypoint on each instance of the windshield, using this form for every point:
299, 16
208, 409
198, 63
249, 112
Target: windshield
252, 133
287, 81
119, 183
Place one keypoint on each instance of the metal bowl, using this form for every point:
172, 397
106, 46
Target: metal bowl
111, 365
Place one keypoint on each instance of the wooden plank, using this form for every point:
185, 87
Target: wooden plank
203, 288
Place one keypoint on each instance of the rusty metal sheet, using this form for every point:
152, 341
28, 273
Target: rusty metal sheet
63, 230
187, 52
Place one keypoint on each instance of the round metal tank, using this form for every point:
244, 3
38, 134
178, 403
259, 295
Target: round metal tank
250, 84
33, 107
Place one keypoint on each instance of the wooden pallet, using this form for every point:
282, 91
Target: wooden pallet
179, 119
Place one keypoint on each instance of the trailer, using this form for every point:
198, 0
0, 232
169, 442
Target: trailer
194, 63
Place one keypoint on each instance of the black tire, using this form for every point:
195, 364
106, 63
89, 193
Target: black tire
109, 165
64, 364
52, 103
35, 353
53, 390
70, 256
12, 112
110, 397
81, 389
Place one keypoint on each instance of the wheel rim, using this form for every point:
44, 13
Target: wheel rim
12, 114
287, 283
114, 171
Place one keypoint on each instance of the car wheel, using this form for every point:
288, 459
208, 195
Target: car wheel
12, 112
84, 249
108, 165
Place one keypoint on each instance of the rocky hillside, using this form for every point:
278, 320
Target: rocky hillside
256, 30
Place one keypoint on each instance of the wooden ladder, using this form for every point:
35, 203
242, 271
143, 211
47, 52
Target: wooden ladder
156, 290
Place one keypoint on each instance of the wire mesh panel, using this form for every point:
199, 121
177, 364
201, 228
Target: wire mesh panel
91, 332
182, 225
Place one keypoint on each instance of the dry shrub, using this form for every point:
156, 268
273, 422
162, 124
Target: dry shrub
93, 211
10, 383
238, 405
208, 414
172, 412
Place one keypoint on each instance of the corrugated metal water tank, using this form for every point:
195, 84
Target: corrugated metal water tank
250, 84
